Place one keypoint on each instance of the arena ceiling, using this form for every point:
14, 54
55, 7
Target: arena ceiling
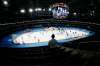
11, 7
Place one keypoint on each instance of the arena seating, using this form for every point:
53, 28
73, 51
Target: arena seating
45, 56
67, 55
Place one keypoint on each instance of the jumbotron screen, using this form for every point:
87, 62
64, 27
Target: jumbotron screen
60, 11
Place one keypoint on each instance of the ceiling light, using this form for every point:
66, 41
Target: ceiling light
30, 10
22, 10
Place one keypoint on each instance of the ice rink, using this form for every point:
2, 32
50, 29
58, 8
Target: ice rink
40, 36
44, 35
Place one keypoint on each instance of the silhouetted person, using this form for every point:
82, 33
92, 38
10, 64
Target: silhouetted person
53, 42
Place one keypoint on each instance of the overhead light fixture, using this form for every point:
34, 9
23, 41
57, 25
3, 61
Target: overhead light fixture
74, 13
22, 11
38, 9
5, 3
50, 9
30, 10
